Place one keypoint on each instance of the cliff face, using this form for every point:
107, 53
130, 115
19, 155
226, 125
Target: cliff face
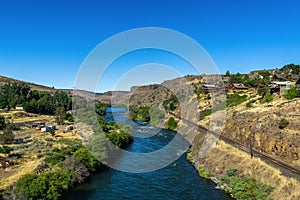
258, 126
261, 124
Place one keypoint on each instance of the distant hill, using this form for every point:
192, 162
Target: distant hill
104, 97
4, 80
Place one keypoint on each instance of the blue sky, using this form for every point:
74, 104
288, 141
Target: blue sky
46, 42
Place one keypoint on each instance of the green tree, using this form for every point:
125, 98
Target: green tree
47, 185
78, 171
98, 147
235, 78
60, 115
2, 122
227, 73
7, 137
84, 156
171, 124
283, 123
291, 93
265, 74
8, 96
6, 149
291, 68
62, 99
263, 87
267, 98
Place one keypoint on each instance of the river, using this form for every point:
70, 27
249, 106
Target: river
179, 180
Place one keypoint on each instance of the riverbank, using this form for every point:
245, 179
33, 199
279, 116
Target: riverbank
225, 159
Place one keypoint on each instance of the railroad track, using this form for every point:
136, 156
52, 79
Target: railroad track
289, 170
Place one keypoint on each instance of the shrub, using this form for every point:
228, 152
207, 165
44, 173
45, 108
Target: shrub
54, 158
267, 98
291, 93
6, 149
204, 173
78, 171
235, 99
7, 137
85, 157
231, 172
69, 117
249, 103
283, 123
47, 185
205, 113
247, 188
171, 124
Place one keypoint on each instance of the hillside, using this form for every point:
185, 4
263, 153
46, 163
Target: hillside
4, 80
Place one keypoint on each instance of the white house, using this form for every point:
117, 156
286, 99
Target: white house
281, 86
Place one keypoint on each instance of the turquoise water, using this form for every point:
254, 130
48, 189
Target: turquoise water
179, 180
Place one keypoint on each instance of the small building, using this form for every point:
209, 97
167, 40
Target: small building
227, 87
45, 129
294, 77
19, 107
53, 127
280, 87
38, 124
210, 88
69, 128
239, 87
19, 140
280, 77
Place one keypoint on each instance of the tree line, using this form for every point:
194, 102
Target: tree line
33, 101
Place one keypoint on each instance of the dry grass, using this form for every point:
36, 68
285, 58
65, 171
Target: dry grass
226, 155
12, 174
24, 117
29, 161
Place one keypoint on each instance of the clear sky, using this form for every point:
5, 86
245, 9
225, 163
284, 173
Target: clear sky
45, 42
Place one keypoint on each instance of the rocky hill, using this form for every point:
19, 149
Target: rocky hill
262, 125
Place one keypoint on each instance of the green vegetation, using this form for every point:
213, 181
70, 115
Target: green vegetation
47, 185
283, 123
231, 172
86, 158
231, 100
267, 98
157, 116
205, 113
249, 103
7, 136
69, 165
171, 124
6, 149
235, 99
290, 68
203, 173
291, 93
245, 188
140, 114
2, 122
120, 138
171, 104
12, 94
235, 78
33, 101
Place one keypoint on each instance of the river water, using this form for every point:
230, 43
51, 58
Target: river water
179, 180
